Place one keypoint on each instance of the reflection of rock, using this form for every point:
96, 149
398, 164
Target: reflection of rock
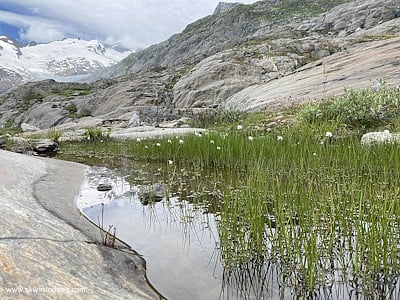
152, 193
103, 187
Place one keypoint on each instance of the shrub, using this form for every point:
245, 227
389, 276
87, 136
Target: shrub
357, 108
96, 134
211, 118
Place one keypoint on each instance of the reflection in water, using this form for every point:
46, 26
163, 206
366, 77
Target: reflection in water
180, 244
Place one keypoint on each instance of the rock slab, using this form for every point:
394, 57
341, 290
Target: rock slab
48, 249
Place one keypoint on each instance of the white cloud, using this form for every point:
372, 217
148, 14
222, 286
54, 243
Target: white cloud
35, 28
130, 23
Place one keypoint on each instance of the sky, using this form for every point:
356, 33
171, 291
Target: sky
132, 24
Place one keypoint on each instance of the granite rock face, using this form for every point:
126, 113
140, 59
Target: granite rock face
48, 246
223, 7
353, 67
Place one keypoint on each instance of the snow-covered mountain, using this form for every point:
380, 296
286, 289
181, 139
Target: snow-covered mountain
66, 60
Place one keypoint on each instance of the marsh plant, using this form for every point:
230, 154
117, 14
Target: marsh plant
108, 237
309, 198
96, 134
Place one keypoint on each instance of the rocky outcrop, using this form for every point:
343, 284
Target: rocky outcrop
352, 17
269, 54
223, 7
219, 32
360, 66
47, 244
222, 75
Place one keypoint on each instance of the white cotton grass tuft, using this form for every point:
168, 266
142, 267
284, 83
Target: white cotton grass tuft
328, 134
250, 138
239, 127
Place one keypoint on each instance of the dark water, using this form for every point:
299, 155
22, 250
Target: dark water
179, 242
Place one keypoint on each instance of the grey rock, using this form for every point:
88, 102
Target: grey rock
209, 36
169, 124
220, 76
2, 142
354, 16
135, 120
152, 132
380, 137
104, 187
47, 243
305, 84
234, 60
44, 146
223, 7
29, 128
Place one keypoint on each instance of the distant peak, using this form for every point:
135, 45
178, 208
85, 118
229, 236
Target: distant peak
224, 6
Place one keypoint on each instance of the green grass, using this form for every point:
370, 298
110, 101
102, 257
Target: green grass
28, 98
305, 195
81, 91
358, 108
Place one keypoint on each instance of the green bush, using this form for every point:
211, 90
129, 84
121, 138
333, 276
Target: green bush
366, 108
96, 134
214, 118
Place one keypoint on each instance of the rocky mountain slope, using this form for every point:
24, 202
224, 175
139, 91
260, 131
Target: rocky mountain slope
66, 60
247, 57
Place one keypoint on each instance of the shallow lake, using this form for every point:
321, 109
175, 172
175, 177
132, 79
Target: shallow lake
179, 242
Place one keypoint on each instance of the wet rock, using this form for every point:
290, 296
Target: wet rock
104, 187
152, 193
45, 146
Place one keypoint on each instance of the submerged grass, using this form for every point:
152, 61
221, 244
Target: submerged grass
307, 197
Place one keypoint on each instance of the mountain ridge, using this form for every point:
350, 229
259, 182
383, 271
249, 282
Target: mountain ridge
64, 60
185, 75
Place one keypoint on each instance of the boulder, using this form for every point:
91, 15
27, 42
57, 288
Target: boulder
29, 128
2, 142
135, 120
379, 137
44, 147
104, 187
